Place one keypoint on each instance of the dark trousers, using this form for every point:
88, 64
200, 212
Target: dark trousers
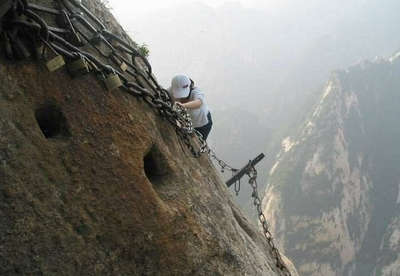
205, 130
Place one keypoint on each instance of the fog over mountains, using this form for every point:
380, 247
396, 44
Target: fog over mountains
252, 55
260, 67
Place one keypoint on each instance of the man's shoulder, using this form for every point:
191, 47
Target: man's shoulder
197, 90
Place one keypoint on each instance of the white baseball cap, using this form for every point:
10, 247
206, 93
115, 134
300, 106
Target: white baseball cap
180, 86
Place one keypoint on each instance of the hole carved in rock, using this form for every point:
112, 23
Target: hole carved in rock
52, 122
155, 165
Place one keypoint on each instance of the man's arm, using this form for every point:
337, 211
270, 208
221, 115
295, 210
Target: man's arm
192, 104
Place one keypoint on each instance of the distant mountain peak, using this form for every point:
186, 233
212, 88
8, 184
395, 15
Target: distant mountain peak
333, 198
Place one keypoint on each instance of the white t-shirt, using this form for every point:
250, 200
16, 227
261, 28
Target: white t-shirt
199, 115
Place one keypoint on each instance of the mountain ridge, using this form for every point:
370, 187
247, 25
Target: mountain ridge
332, 195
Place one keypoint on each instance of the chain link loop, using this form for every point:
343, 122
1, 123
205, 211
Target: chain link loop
252, 174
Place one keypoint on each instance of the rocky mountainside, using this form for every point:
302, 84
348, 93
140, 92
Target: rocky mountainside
95, 182
333, 197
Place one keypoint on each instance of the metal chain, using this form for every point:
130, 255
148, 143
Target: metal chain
252, 173
221, 163
156, 97
237, 187
160, 99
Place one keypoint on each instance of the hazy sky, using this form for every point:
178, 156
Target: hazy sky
137, 6
124, 9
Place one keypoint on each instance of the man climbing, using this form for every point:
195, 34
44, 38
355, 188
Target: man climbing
187, 95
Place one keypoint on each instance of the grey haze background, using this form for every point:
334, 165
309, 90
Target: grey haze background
259, 62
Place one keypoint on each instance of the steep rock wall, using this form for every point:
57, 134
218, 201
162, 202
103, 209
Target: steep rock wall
333, 193
93, 182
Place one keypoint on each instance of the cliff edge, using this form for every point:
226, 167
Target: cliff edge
94, 182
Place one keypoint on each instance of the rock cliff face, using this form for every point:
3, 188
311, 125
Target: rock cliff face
96, 183
333, 194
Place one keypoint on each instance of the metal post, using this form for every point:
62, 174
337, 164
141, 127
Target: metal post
244, 170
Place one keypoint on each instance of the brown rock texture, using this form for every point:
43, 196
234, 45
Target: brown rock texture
94, 182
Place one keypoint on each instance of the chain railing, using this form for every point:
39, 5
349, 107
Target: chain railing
25, 34
252, 173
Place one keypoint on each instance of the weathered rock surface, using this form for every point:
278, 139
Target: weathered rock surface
95, 183
333, 197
